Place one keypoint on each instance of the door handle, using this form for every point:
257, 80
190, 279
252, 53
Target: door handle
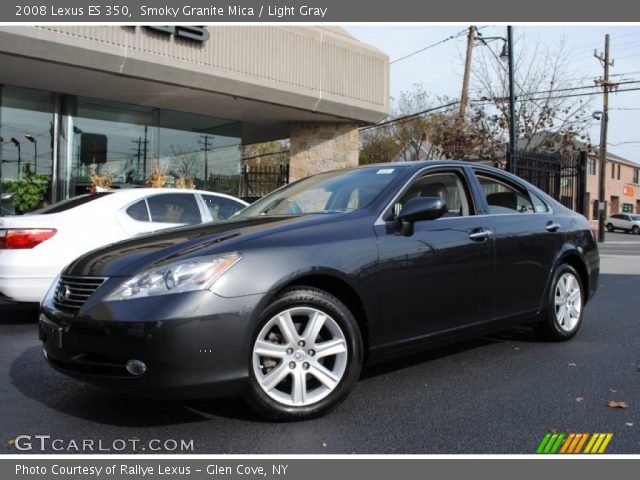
552, 227
480, 234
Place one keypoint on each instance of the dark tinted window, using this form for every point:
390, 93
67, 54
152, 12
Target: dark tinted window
538, 204
138, 211
448, 186
503, 198
71, 203
221, 208
174, 208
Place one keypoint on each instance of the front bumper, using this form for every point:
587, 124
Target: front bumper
194, 344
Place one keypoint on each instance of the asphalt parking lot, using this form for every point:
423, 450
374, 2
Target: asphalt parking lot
497, 394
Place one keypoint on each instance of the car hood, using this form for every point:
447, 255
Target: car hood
130, 256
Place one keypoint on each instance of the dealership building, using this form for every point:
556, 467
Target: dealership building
123, 100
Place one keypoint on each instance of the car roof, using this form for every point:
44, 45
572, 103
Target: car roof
134, 193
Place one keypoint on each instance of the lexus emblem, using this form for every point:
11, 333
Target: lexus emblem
64, 293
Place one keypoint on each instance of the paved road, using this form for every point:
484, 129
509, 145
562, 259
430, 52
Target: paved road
498, 394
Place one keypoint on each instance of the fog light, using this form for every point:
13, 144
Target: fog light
136, 367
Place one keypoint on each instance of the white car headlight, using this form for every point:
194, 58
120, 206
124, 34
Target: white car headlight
183, 276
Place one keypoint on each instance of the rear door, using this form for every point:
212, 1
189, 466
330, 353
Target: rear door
527, 237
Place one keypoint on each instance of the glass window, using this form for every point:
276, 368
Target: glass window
329, 192
139, 211
538, 205
592, 166
636, 174
70, 203
174, 208
448, 186
503, 198
221, 208
618, 172
26, 130
129, 142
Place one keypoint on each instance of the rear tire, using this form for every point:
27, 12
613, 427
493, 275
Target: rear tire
564, 309
306, 355
609, 227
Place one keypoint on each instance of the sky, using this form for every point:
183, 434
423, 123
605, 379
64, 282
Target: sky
440, 69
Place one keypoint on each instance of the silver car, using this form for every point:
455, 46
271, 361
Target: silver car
628, 222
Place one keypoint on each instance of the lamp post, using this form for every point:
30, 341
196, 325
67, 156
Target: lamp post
17, 144
32, 139
507, 55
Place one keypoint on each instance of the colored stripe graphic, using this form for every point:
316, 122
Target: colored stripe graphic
572, 443
582, 441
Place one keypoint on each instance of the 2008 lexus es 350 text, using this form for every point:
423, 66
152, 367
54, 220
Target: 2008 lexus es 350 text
286, 301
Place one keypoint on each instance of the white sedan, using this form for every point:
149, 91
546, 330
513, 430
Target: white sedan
35, 247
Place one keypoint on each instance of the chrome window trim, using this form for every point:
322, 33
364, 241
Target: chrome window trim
380, 220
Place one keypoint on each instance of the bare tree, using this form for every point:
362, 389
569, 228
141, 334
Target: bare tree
546, 118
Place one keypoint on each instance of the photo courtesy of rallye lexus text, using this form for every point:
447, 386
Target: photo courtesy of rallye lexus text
284, 302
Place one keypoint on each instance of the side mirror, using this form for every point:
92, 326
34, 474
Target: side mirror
420, 208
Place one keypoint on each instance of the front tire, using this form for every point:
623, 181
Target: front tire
564, 308
635, 230
306, 355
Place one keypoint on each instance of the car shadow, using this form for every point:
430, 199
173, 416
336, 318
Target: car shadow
17, 314
31, 375
431, 355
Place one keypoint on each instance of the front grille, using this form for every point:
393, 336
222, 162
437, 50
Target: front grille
72, 292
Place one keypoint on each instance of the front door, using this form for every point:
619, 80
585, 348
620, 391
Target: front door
440, 277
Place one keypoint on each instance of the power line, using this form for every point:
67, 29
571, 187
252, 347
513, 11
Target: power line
410, 117
454, 36
622, 143
487, 101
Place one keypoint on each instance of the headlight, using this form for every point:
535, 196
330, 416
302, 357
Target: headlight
183, 276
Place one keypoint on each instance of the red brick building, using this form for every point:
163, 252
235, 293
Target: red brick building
622, 185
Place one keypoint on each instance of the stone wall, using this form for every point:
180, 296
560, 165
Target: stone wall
318, 147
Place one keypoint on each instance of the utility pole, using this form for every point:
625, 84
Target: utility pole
138, 155
206, 148
512, 105
144, 155
603, 133
464, 96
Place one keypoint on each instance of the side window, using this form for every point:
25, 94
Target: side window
538, 205
174, 208
221, 208
503, 198
448, 186
138, 211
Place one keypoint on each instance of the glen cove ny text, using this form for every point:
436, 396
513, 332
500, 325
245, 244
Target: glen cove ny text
274, 11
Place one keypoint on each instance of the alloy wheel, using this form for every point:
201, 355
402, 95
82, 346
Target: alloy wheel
300, 356
568, 302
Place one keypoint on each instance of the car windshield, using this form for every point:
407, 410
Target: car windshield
332, 192
635, 218
70, 203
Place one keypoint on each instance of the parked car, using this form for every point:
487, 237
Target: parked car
35, 247
285, 301
627, 222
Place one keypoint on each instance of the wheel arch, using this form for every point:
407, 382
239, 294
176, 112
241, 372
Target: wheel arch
340, 289
575, 260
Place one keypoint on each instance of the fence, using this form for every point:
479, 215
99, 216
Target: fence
257, 181
562, 176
